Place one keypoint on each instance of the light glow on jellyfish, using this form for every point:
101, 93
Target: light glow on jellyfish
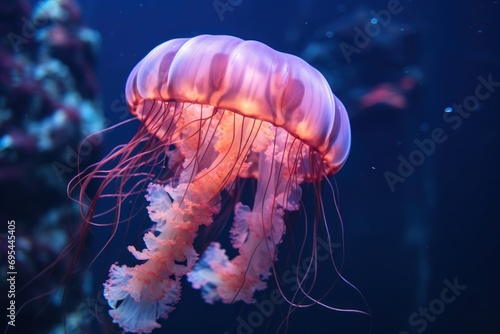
214, 110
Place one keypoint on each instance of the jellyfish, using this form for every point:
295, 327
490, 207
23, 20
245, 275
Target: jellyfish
213, 110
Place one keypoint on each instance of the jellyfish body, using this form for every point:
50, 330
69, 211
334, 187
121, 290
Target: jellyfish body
216, 109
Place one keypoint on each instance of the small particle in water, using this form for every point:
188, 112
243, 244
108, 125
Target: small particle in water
448, 109
374, 20
424, 127
480, 31
373, 167
329, 34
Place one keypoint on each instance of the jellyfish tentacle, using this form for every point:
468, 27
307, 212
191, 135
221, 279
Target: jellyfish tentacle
256, 232
142, 294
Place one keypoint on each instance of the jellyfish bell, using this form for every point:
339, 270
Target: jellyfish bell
214, 109
248, 78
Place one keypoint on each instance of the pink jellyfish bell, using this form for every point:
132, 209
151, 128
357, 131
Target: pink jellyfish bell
213, 110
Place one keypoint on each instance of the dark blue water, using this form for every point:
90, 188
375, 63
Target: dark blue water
406, 242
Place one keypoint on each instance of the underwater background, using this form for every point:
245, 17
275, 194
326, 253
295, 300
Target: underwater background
418, 195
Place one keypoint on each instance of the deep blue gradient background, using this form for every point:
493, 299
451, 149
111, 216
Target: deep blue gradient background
440, 224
